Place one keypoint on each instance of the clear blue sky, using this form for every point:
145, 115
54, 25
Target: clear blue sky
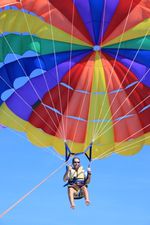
119, 191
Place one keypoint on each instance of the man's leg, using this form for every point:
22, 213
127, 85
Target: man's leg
71, 192
86, 195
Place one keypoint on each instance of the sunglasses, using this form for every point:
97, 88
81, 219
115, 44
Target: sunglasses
76, 162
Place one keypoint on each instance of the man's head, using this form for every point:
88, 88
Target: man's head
76, 162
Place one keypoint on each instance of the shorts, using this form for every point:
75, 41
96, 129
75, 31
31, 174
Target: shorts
79, 193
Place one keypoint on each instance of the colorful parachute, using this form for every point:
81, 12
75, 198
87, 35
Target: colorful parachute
77, 71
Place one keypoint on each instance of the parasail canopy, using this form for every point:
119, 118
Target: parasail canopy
77, 71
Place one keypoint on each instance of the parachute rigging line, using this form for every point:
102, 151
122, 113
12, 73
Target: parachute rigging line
31, 191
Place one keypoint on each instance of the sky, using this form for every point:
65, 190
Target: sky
119, 189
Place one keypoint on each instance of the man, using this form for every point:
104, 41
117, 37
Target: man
77, 182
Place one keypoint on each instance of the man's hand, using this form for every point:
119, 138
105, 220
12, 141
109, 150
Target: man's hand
69, 168
89, 170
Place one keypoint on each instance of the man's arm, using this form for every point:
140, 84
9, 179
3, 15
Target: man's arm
88, 179
67, 174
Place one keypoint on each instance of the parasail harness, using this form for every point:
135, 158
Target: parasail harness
77, 178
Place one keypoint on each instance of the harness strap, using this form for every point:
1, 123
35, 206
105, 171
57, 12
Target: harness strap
90, 152
74, 181
68, 152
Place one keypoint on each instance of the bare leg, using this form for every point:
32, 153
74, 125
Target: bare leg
71, 193
86, 195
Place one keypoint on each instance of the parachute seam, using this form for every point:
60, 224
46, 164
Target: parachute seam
103, 21
22, 10
15, 2
98, 93
97, 119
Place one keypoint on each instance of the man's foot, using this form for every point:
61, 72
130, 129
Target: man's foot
72, 206
87, 202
